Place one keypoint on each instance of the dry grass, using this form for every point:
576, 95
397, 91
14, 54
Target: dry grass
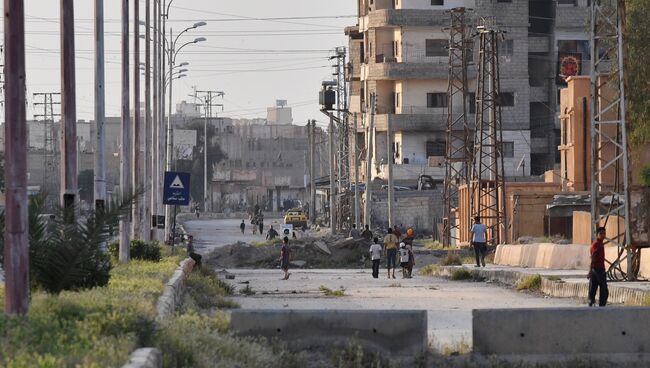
452, 259
332, 293
531, 282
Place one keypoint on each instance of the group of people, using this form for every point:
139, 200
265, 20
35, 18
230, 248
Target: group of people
395, 247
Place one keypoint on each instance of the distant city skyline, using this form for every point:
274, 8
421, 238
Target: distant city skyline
254, 61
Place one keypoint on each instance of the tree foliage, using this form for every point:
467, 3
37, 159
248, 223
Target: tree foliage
637, 70
69, 256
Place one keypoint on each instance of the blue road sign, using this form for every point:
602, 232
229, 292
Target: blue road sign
177, 189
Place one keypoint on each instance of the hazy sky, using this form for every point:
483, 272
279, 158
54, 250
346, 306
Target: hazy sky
254, 62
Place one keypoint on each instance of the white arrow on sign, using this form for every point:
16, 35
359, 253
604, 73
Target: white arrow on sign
177, 183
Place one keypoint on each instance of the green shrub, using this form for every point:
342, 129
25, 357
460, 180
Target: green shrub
139, 249
531, 282
207, 291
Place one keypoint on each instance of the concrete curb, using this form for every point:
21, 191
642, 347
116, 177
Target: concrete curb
559, 289
145, 358
173, 293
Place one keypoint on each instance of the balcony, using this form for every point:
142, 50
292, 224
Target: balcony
414, 118
403, 17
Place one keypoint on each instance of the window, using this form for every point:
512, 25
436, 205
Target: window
506, 48
506, 99
471, 102
436, 148
396, 49
397, 95
508, 149
362, 54
437, 48
504, 1
566, 2
437, 2
437, 100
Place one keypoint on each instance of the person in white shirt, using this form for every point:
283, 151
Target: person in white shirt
375, 255
479, 241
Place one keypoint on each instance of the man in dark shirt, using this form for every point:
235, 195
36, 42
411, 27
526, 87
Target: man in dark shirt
367, 234
271, 234
597, 275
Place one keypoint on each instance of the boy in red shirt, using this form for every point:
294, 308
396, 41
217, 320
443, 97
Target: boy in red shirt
597, 275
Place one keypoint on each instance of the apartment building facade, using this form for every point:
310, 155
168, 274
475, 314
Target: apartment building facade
399, 52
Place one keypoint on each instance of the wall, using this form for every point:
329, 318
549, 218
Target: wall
426, 4
415, 209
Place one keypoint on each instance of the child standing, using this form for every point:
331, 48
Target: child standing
375, 255
404, 259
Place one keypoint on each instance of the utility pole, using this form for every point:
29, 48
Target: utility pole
355, 153
170, 129
155, 126
125, 149
458, 149
69, 188
16, 252
312, 170
148, 137
332, 175
389, 158
136, 210
100, 110
488, 177
369, 135
209, 95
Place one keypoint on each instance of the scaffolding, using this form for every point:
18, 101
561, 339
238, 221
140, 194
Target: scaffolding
458, 136
610, 167
487, 197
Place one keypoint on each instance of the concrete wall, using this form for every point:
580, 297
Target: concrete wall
404, 336
561, 333
415, 209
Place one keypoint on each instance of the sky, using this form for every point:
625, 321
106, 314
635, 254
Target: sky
255, 62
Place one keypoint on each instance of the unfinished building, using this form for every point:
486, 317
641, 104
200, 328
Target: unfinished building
399, 51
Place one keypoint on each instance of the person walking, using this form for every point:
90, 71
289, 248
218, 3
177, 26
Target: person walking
398, 232
354, 233
367, 234
260, 225
390, 247
272, 234
242, 227
478, 234
375, 255
411, 264
285, 253
597, 276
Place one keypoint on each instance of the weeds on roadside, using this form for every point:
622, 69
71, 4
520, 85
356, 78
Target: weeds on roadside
554, 278
430, 270
248, 290
395, 285
452, 259
332, 293
531, 282
208, 291
460, 274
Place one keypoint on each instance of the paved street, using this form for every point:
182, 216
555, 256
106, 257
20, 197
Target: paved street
209, 234
449, 304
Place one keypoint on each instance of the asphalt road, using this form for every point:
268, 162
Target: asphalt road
449, 304
210, 234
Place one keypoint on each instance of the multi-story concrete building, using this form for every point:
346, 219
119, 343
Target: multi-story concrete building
399, 51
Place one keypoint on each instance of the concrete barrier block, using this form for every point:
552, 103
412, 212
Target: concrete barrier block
614, 331
402, 333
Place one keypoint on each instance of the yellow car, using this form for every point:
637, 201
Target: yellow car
296, 217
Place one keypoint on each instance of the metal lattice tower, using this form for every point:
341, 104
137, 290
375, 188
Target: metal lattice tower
487, 174
459, 145
344, 210
609, 160
50, 161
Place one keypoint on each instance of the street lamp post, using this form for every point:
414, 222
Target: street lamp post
173, 52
